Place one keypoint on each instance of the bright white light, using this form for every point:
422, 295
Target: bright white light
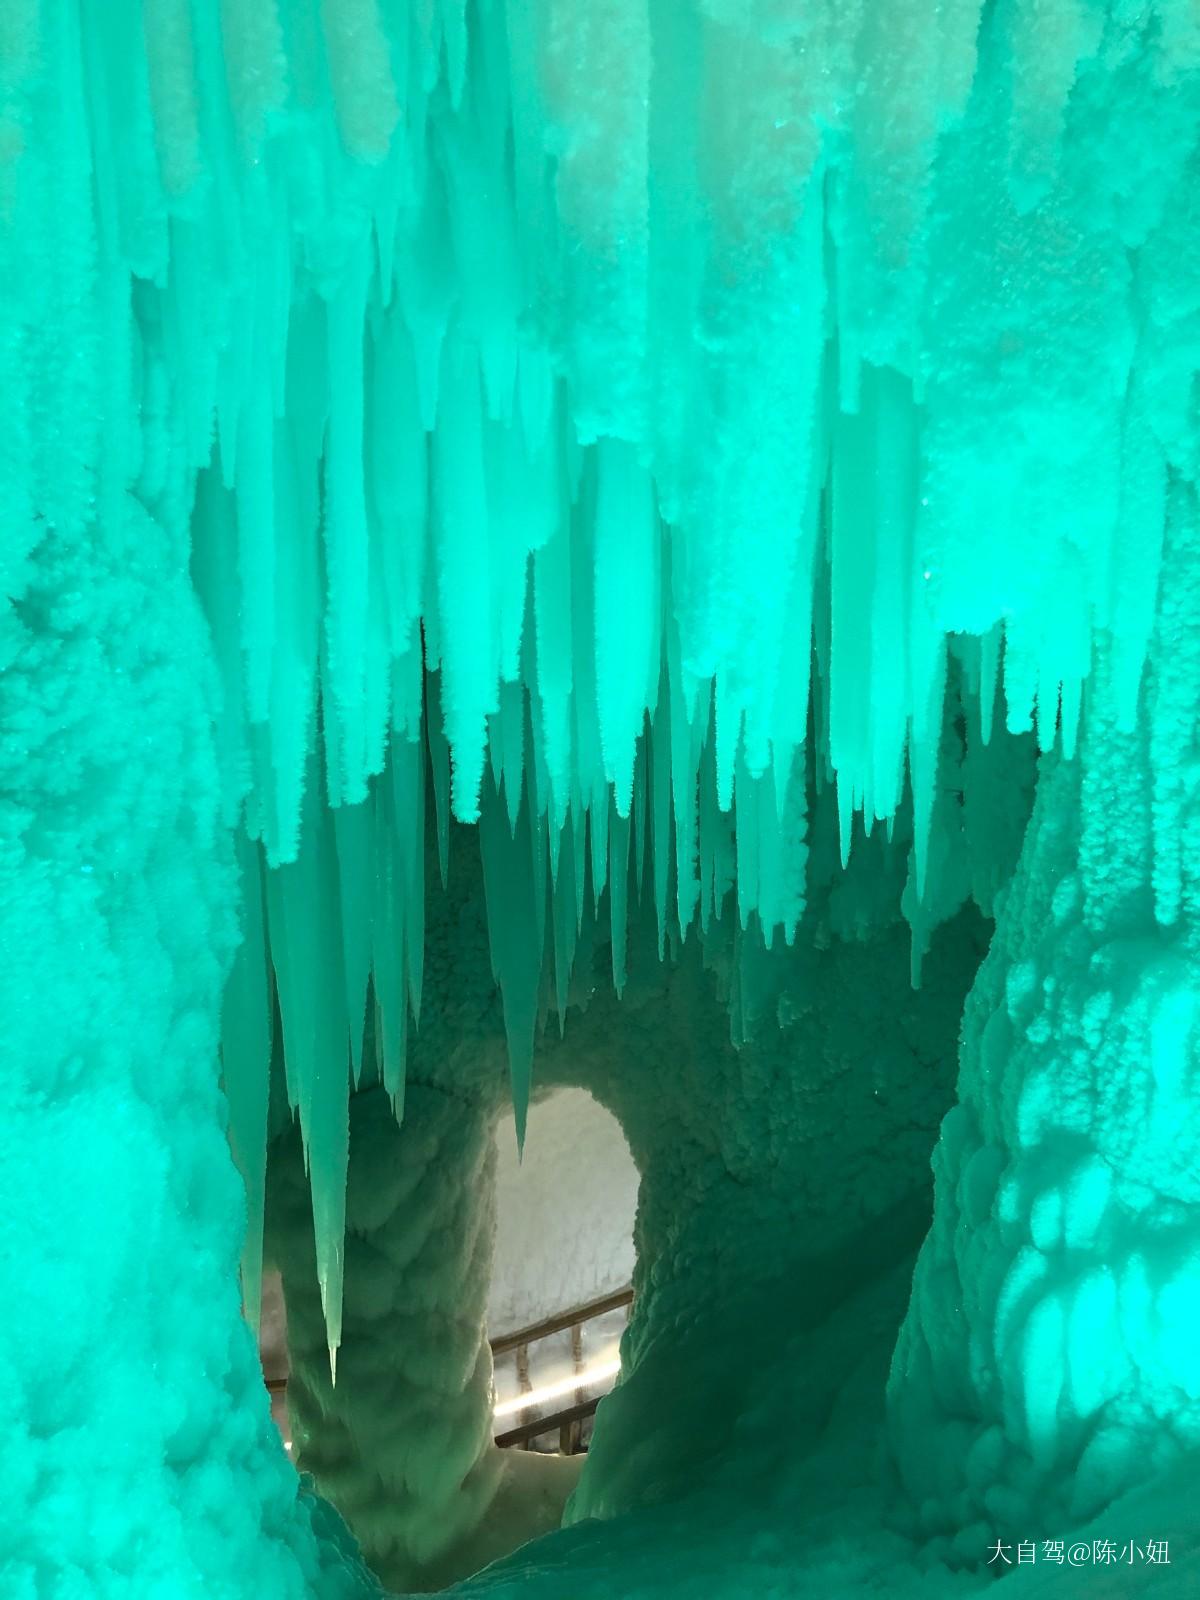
554, 1391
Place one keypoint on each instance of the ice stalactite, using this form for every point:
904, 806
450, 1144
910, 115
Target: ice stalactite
1048, 1359
614, 371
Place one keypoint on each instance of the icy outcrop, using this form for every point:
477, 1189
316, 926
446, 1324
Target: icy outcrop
1044, 1364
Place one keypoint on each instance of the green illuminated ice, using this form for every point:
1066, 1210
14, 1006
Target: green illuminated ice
647, 544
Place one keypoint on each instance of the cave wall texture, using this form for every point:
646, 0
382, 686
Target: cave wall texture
649, 545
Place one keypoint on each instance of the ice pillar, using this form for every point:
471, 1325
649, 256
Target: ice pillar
1049, 1359
137, 1448
402, 1443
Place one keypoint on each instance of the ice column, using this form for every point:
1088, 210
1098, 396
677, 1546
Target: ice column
402, 1443
1049, 1357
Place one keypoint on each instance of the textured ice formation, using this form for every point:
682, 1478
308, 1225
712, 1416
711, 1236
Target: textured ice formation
626, 423
707, 444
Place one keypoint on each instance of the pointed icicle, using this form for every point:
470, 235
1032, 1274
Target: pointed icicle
408, 799
746, 823
579, 863
399, 465
524, 512
465, 578
628, 607
727, 721
538, 835
685, 742
566, 928
255, 490
923, 749
852, 575
344, 673
353, 828
283, 762
658, 746
312, 1004
214, 555
439, 764
552, 612
589, 783
510, 886
246, 1066
598, 834
618, 893
513, 717
989, 676
895, 494
781, 857
387, 963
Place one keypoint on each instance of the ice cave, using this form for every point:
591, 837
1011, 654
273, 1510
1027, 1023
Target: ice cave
628, 554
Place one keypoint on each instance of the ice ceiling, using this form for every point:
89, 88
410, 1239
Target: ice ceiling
700, 442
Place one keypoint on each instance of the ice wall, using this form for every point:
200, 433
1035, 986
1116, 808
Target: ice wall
137, 1456
1049, 1357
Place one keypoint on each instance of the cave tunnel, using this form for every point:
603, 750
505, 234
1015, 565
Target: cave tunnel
613, 584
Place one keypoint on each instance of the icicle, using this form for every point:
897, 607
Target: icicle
214, 556
509, 745
895, 491
390, 942
246, 1068
439, 764
398, 474
344, 675
510, 885
746, 821
566, 927
989, 674
929, 676
566, 382
308, 961
469, 648
353, 828
628, 609
640, 831
552, 610
658, 749
598, 833
687, 730
408, 798
538, 827
590, 786
852, 562
618, 892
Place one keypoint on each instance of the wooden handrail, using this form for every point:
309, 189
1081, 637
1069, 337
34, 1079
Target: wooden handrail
565, 1319
558, 1419
539, 1330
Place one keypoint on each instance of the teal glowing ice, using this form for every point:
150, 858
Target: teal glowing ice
742, 456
